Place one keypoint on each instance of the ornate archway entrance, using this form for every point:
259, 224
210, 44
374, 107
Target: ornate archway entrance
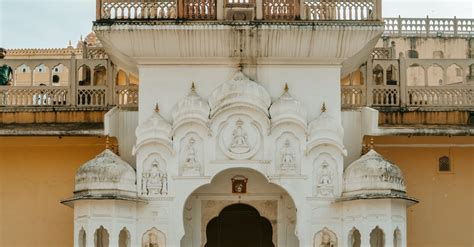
239, 225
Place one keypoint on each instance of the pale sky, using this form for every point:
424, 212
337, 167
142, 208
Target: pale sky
52, 23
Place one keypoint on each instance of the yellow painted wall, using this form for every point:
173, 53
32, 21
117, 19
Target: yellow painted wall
35, 174
444, 217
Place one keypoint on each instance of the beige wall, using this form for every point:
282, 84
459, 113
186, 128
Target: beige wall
445, 214
35, 174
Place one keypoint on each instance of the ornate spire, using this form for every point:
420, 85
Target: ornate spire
323, 108
367, 147
157, 108
286, 89
193, 87
110, 145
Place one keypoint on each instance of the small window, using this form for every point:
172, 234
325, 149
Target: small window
444, 164
56, 69
24, 70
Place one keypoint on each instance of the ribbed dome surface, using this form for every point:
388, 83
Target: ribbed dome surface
372, 174
191, 107
107, 172
240, 90
288, 108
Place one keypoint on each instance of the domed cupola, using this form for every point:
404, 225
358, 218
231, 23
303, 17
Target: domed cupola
105, 175
191, 108
154, 130
239, 91
372, 176
288, 109
326, 130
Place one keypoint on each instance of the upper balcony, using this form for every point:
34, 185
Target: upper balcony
248, 10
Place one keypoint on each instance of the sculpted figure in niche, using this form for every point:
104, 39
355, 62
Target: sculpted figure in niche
288, 163
325, 186
325, 238
155, 181
239, 139
152, 240
191, 164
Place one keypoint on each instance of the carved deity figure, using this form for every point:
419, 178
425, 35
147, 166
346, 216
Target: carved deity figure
325, 184
155, 181
191, 164
152, 240
326, 240
287, 157
239, 139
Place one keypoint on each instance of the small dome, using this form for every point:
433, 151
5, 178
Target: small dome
191, 107
154, 127
240, 90
288, 108
106, 173
92, 40
373, 175
326, 125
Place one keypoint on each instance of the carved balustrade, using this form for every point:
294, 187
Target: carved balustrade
353, 96
64, 82
346, 10
429, 27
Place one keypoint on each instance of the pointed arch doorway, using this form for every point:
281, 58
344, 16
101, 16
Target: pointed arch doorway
239, 225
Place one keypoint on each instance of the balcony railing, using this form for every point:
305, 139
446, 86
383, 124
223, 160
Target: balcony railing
66, 83
319, 10
413, 83
429, 27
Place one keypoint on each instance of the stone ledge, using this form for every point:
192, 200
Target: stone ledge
67, 129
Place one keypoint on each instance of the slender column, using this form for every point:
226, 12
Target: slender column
259, 9
98, 10
302, 10
220, 10
110, 84
369, 82
455, 26
378, 10
402, 81
72, 81
427, 26
399, 24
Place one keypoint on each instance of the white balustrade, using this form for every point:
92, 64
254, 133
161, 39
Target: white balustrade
352, 96
434, 27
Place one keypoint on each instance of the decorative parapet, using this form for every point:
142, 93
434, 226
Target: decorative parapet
281, 10
429, 27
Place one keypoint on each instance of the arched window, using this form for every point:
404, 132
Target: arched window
84, 75
124, 238
325, 237
378, 74
377, 238
392, 75
415, 75
153, 238
438, 55
56, 78
444, 164
354, 238
101, 237
435, 75
454, 74
121, 79
82, 238
100, 75
397, 238
412, 54
40, 76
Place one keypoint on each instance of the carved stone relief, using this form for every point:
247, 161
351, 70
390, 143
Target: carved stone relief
240, 138
325, 238
325, 176
155, 179
191, 155
287, 157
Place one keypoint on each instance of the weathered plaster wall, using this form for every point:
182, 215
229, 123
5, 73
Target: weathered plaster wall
445, 214
35, 174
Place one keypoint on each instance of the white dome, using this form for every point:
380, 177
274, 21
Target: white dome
106, 173
325, 126
287, 108
154, 127
191, 107
240, 90
372, 175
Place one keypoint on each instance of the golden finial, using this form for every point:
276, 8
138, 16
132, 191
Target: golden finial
367, 147
157, 108
108, 144
286, 87
323, 108
193, 87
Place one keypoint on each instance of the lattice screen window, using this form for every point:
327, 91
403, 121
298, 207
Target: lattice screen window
444, 164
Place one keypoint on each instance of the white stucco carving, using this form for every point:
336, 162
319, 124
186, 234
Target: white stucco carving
155, 180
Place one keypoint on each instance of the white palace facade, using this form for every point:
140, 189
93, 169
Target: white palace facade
251, 121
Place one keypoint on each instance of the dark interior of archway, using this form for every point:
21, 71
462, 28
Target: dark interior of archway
239, 225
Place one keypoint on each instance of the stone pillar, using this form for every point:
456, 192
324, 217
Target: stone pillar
378, 10
259, 10
220, 10
402, 80
369, 82
72, 81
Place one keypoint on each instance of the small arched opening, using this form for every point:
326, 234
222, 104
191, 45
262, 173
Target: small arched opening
153, 238
124, 238
397, 238
378, 75
101, 237
354, 238
82, 238
377, 238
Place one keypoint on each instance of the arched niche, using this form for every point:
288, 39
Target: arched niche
81, 239
153, 238
288, 154
397, 238
454, 75
415, 75
354, 238
378, 74
325, 238
101, 237
41, 75
392, 75
325, 176
435, 75
100, 75
60, 75
191, 155
84, 75
377, 237
124, 238
154, 176
23, 75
